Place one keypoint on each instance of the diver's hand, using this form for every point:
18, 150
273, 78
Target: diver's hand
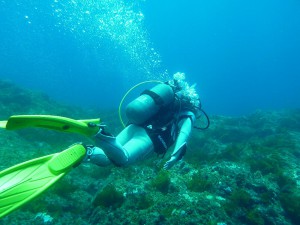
169, 164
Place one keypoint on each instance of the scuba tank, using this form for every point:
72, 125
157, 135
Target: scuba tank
149, 103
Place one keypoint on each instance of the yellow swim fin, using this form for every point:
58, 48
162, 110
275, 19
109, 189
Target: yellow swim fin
21, 183
3, 124
59, 123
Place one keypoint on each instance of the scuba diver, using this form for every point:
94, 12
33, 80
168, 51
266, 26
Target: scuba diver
158, 118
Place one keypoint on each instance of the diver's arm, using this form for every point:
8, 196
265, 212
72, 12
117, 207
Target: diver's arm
180, 145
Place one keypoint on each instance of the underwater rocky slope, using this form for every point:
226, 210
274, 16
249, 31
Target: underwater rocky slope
242, 170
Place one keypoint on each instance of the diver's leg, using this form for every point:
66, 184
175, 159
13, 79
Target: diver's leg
96, 156
126, 134
132, 143
139, 146
112, 148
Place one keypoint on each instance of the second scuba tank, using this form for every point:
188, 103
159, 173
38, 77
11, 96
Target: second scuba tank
149, 103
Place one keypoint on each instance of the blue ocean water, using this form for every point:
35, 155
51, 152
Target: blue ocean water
243, 55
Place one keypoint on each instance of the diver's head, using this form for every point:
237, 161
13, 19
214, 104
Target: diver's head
186, 93
178, 79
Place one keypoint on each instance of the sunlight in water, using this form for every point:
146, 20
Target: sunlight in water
114, 25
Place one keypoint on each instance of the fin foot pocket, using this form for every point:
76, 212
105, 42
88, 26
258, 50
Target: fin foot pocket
67, 159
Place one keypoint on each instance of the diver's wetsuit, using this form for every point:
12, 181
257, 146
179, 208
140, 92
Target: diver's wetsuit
172, 123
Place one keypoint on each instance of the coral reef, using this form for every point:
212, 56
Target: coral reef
162, 181
243, 170
109, 196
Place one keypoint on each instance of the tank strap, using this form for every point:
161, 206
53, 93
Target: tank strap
157, 99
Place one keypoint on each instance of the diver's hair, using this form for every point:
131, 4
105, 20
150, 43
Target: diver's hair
188, 98
186, 93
